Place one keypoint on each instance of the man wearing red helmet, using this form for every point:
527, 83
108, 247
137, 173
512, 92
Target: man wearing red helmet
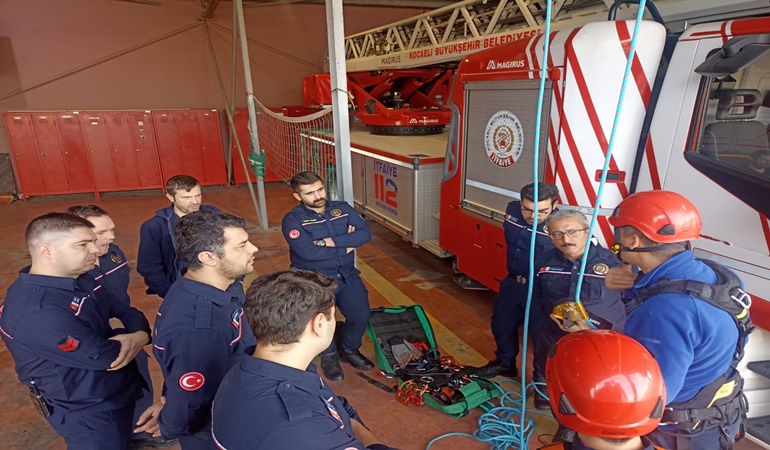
695, 341
608, 388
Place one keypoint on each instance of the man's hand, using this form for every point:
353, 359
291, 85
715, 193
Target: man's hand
130, 346
351, 229
329, 242
148, 421
620, 278
580, 325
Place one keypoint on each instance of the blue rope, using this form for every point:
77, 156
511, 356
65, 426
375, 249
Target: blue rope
501, 426
611, 145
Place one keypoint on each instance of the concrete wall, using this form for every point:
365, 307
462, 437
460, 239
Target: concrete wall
111, 54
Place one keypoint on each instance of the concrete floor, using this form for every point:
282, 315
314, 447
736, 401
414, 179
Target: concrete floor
395, 273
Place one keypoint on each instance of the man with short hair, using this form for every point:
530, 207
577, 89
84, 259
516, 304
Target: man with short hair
56, 327
759, 162
510, 304
556, 283
322, 236
608, 388
112, 273
697, 342
156, 260
199, 333
276, 400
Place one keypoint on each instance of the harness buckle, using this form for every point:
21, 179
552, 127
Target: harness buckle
741, 297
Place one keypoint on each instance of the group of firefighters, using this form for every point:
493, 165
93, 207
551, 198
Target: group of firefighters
237, 367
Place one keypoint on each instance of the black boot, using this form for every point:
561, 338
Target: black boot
495, 368
356, 359
330, 364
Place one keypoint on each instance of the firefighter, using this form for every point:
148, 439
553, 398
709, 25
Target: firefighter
608, 388
276, 400
199, 334
510, 304
82, 377
322, 236
112, 273
156, 261
556, 283
696, 342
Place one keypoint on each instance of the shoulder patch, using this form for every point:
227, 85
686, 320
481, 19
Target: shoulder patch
294, 234
601, 269
68, 344
192, 381
114, 257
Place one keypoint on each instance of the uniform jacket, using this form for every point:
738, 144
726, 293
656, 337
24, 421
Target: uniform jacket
295, 409
579, 445
156, 261
557, 281
517, 236
113, 273
302, 226
57, 330
693, 341
199, 334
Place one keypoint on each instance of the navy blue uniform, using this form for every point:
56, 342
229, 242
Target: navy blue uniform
557, 281
113, 274
57, 330
579, 445
511, 301
692, 340
262, 405
301, 227
198, 336
156, 260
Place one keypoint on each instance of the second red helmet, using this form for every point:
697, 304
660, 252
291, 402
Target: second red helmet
603, 383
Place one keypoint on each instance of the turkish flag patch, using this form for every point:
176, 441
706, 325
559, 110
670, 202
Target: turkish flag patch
294, 234
70, 344
191, 381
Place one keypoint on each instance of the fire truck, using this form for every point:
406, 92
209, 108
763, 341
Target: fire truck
695, 120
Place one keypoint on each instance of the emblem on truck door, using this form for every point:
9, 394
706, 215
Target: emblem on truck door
504, 139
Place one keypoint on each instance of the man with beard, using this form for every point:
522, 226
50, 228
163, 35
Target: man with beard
156, 261
81, 375
322, 236
510, 304
556, 283
199, 333
112, 273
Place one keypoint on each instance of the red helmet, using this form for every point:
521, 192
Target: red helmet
663, 216
603, 383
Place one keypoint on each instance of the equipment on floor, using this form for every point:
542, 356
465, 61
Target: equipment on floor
404, 345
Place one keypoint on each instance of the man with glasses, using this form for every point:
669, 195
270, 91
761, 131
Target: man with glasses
556, 283
511, 301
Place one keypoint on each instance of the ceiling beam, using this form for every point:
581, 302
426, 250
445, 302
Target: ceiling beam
210, 6
420, 4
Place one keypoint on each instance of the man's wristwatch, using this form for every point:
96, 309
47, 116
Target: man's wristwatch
320, 243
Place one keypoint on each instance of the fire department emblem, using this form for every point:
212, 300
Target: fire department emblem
336, 212
116, 258
504, 139
294, 234
601, 269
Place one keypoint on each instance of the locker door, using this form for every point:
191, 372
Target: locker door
146, 154
211, 151
74, 152
123, 152
100, 150
169, 149
189, 137
49, 150
25, 155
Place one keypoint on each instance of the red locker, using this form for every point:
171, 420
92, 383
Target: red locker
145, 154
74, 152
241, 120
49, 153
100, 151
190, 143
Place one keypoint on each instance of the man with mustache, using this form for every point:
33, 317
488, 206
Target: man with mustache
199, 333
157, 261
556, 282
322, 236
